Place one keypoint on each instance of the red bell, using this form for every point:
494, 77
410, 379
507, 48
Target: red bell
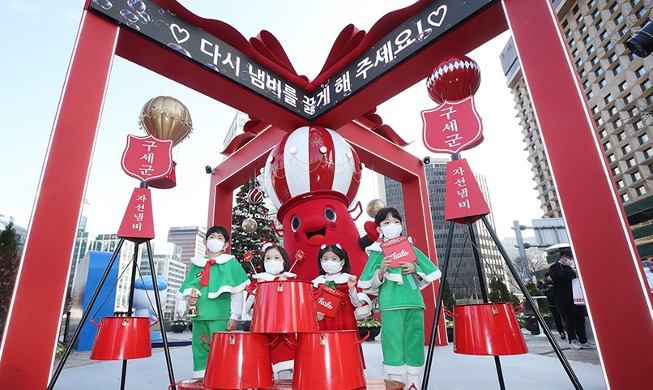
166, 182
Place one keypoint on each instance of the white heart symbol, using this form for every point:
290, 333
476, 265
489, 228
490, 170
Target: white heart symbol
176, 29
435, 13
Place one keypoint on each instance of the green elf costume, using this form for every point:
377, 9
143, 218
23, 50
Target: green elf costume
219, 283
402, 310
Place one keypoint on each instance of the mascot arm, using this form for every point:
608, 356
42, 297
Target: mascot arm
371, 236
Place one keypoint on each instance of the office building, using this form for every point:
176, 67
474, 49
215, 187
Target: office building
235, 128
191, 241
82, 243
617, 85
168, 264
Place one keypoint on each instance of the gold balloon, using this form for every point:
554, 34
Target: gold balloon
374, 206
166, 118
249, 225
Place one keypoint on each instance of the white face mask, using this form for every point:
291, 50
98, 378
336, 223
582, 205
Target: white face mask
392, 231
331, 267
273, 267
570, 262
214, 245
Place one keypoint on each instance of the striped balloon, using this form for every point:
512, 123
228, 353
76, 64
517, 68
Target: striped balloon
311, 158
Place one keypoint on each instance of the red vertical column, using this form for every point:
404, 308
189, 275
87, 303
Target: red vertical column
32, 328
419, 226
618, 300
222, 212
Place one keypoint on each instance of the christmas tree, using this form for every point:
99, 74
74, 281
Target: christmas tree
252, 226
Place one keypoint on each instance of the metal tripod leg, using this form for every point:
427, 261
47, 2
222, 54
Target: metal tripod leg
130, 306
438, 308
69, 348
481, 281
166, 349
540, 320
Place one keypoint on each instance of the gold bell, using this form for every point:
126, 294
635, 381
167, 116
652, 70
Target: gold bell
192, 309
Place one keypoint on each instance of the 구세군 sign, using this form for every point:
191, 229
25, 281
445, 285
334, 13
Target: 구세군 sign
421, 30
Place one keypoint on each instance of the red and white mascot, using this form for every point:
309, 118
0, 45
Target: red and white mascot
312, 177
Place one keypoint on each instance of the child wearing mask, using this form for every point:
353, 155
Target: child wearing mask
400, 301
334, 267
276, 263
218, 281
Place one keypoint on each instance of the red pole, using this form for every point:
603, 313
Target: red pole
32, 330
616, 291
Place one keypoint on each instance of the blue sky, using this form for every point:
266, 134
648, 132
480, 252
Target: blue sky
37, 49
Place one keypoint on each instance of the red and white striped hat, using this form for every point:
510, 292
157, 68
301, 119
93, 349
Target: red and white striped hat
311, 158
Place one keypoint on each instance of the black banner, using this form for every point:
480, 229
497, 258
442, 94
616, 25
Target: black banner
164, 27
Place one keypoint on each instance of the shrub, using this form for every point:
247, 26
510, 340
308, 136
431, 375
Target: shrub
369, 322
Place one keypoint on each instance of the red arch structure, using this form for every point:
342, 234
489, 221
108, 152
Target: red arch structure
616, 290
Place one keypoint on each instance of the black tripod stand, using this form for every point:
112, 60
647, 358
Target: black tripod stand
137, 242
481, 278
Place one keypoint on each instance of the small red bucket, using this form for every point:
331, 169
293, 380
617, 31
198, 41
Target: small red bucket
281, 384
191, 384
166, 182
238, 360
122, 338
328, 360
487, 329
284, 307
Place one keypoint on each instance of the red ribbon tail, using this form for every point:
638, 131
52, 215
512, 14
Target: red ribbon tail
204, 280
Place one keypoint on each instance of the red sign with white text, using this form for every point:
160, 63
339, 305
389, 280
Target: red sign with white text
463, 196
452, 127
138, 221
147, 158
327, 300
400, 250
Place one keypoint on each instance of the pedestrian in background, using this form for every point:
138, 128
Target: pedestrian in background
562, 272
548, 288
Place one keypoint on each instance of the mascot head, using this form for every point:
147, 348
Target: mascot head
311, 160
312, 176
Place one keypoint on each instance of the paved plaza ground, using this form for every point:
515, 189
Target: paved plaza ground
539, 369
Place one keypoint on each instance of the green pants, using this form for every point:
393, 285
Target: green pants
402, 339
200, 349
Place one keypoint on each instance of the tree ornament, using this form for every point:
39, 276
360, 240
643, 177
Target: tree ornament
373, 207
255, 196
249, 225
